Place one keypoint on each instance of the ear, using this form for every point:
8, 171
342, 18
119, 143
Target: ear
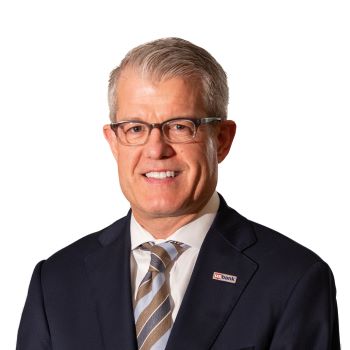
225, 135
111, 139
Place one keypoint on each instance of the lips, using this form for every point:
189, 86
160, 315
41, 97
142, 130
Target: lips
161, 174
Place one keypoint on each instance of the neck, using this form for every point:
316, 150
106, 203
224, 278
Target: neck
163, 227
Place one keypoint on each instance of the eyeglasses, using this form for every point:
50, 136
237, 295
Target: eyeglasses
178, 130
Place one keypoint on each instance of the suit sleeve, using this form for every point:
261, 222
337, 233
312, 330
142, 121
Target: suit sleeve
310, 317
33, 333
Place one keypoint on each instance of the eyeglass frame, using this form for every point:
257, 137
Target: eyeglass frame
150, 126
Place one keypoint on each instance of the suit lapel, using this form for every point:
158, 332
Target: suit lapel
208, 302
109, 273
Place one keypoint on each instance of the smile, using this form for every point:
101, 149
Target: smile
160, 174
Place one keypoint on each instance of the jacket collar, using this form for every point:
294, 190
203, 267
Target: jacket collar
233, 227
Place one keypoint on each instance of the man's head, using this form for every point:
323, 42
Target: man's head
167, 58
169, 174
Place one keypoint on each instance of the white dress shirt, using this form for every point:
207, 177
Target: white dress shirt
192, 234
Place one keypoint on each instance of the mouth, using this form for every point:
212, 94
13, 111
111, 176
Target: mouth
160, 175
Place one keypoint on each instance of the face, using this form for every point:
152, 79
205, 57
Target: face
191, 169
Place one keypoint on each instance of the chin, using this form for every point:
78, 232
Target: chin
161, 207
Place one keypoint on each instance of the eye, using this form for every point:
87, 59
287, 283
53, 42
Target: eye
133, 128
179, 130
180, 127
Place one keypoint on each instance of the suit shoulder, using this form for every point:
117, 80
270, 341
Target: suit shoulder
282, 262
86, 245
280, 249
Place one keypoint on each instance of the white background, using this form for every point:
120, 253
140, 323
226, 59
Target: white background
288, 67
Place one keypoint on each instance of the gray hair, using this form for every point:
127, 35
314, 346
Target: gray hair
174, 57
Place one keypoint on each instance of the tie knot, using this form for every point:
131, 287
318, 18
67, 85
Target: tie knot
163, 254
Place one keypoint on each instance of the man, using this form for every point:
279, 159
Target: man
182, 270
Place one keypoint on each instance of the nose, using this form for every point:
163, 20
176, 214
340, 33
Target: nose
156, 146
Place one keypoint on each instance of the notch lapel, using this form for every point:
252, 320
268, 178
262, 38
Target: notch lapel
109, 273
208, 303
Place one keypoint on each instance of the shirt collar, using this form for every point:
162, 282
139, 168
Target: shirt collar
192, 234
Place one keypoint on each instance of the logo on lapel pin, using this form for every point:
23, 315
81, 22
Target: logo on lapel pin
224, 277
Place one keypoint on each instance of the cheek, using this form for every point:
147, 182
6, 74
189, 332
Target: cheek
127, 161
202, 160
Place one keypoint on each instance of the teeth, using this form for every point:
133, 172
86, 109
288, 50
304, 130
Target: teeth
160, 174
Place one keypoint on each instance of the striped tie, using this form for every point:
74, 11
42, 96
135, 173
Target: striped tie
152, 308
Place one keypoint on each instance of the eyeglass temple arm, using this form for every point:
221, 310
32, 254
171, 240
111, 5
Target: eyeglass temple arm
209, 120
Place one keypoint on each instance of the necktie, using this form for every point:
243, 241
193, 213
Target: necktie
152, 308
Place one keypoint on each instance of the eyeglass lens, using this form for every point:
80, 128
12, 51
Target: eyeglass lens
174, 130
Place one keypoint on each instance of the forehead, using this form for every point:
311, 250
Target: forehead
140, 96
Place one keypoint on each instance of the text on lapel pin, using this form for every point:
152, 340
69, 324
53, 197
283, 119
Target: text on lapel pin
223, 277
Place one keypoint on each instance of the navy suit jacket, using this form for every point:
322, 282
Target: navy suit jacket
284, 297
